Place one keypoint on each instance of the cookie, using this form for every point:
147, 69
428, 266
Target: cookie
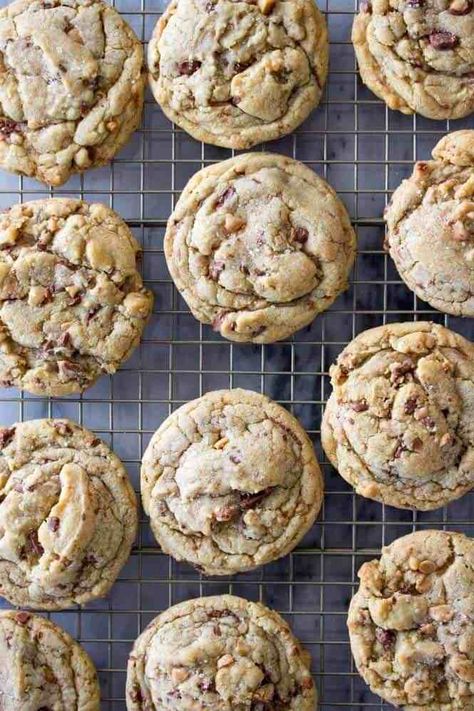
72, 86
72, 304
235, 74
399, 425
418, 55
410, 623
68, 515
230, 482
219, 653
430, 224
258, 245
43, 668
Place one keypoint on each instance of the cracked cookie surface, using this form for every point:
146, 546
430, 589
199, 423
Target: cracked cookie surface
230, 482
68, 515
399, 423
220, 653
418, 55
258, 245
430, 226
72, 86
72, 304
238, 73
411, 622
43, 668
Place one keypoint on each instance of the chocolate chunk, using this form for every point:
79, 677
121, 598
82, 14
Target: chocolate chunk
429, 423
218, 320
415, 4
216, 268
34, 543
136, 694
189, 67
300, 234
359, 406
64, 339
410, 406
22, 617
239, 67
92, 313
417, 445
399, 451
226, 195
7, 127
440, 39
206, 685
6, 435
385, 637
53, 523
249, 501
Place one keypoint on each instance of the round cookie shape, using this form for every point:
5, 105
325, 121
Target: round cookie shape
235, 74
398, 425
68, 515
72, 304
43, 667
223, 652
73, 86
258, 245
430, 226
418, 55
230, 482
410, 623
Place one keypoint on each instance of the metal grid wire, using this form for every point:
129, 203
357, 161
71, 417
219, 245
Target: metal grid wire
364, 150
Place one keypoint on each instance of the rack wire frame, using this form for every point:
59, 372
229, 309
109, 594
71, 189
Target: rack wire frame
364, 150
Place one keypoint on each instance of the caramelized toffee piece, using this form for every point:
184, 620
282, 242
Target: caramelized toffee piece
411, 622
399, 423
72, 304
418, 55
258, 245
73, 83
219, 653
68, 515
238, 73
230, 481
43, 668
430, 224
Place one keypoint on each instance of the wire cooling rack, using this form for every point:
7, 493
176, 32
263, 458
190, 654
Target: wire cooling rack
364, 150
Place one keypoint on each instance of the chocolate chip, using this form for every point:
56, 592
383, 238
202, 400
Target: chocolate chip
429, 423
226, 195
385, 637
7, 126
53, 523
6, 435
440, 39
34, 543
188, 67
300, 234
239, 67
410, 406
359, 406
249, 501
64, 339
399, 451
22, 617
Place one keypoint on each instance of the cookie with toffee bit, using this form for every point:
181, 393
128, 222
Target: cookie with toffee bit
398, 425
258, 245
230, 482
72, 303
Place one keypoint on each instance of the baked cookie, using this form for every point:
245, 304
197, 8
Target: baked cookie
238, 73
43, 668
72, 86
68, 515
430, 224
230, 482
411, 622
418, 55
399, 423
72, 304
219, 653
258, 245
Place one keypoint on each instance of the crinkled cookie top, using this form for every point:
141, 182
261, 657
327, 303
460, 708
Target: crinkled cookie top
230, 481
411, 622
43, 668
71, 86
399, 424
258, 245
418, 55
219, 653
238, 73
72, 304
431, 226
68, 515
